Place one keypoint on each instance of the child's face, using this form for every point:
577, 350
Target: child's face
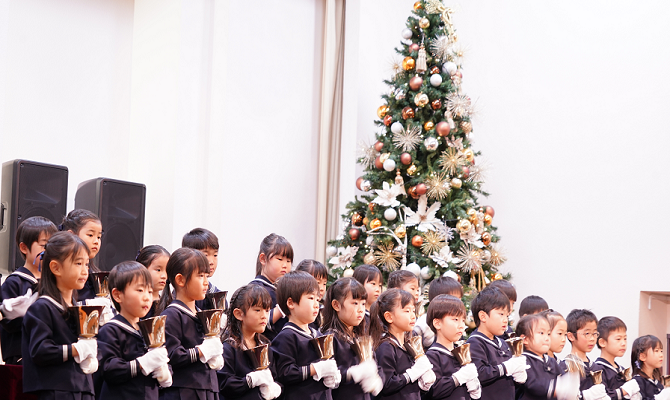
615, 343
135, 300
72, 273
402, 318
495, 321
212, 256
158, 272
275, 267
541, 340
196, 287
254, 320
351, 312
305, 312
322, 287
412, 287
558, 336
91, 233
374, 289
653, 357
35, 249
586, 337
450, 327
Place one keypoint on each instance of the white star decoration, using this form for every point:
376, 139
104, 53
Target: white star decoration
424, 217
387, 195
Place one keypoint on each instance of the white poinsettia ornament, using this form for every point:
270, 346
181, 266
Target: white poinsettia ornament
387, 195
444, 257
344, 257
424, 218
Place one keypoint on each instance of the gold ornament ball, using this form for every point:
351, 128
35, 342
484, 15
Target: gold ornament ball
456, 183
435, 70
408, 63
411, 170
371, 206
469, 154
375, 223
424, 23
382, 110
369, 258
347, 273
428, 125
400, 231
417, 241
365, 221
497, 276
357, 219
472, 212
388, 120
466, 127
488, 219
407, 113
383, 157
412, 192
486, 238
417, 6
463, 226
421, 99
436, 104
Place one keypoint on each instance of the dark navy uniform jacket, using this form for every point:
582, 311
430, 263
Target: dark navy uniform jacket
586, 381
346, 357
541, 381
488, 355
233, 382
271, 330
394, 361
444, 366
294, 354
612, 377
119, 345
183, 332
648, 387
48, 363
16, 284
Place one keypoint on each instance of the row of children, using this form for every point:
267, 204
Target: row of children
282, 309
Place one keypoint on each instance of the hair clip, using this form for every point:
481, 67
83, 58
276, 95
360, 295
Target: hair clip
41, 256
138, 254
60, 227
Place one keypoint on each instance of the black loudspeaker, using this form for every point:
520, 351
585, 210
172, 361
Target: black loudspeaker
120, 206
29, 189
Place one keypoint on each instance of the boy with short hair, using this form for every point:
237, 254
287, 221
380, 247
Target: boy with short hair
439, 286
583, 335
31, 237
532, 305
612, 342
508, 289
496, 367
299, 366
128, 370
405, 280
208, 244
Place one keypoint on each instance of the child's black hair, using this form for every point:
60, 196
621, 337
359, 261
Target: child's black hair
506, 287
532, 305
149, 253
608, 325
387, 301
292, 286
366, 272
30, 229
444, 305
200, 239
527, 324
244, 298
123, 274
314, 268
60, 247
184, 261
444, 285
578, 318
273, 245
490, 298
74, 221
399, 278
640, 346
339, 291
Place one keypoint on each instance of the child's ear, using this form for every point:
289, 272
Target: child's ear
237, 313
116, 295
180, 280
262, 259
55, 268
602, 342
437, 323
483, 317
388, 317
642, 356
23, 248
526, 340
571, 337
290, 303
336, 305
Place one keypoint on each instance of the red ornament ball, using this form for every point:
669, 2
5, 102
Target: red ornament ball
490, 211
436, 104
407, 112
378, 163
388, 120
405, 158
465, 171
379, 146
421, 189
415, 82
354, 233
417, 241
413, 47
358, 183
442, 128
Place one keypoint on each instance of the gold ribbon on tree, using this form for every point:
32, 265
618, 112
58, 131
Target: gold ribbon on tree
436, 7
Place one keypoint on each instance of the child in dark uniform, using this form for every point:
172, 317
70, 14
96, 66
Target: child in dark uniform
31, 236
393, 317
320, 273
88, 227
446, 318
275, 257
299, 366
127, 368
612, 342
194, 358
208, 244
56, 364
583, 335
558, 330
155, 258
508, 289
371, 278
248, 315
646, 357
405, 280
497, 369
441, 285
344, 311
544, 377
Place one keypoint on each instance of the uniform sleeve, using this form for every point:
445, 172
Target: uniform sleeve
288, 371
115, 369
11, 288
178, 354
41, 346
386, 360
538, 386
488, 373
444, 384
230, 383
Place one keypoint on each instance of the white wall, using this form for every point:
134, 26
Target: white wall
571, 116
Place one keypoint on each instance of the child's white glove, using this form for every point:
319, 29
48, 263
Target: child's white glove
515, 364
85, 348
332, 381
324, 369
520, 376
223, 322
421, 365
631, 387
372, 384
215, 363
17, 306
89, 365
153, 360
163, 376
270, 391
358, 373
466, 374
597, 392
636, 396
664, 395
107, 313
475, 388
258, 378
210, 348
567, 386
426, 380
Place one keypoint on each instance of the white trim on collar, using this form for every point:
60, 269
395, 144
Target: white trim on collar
608, 365
441, 350
300, 331
544, 358
182, 309
264, 282
481, 336
25, 276
51, 299
126, 327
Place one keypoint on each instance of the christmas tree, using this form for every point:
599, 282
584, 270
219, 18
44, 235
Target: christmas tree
422, 185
